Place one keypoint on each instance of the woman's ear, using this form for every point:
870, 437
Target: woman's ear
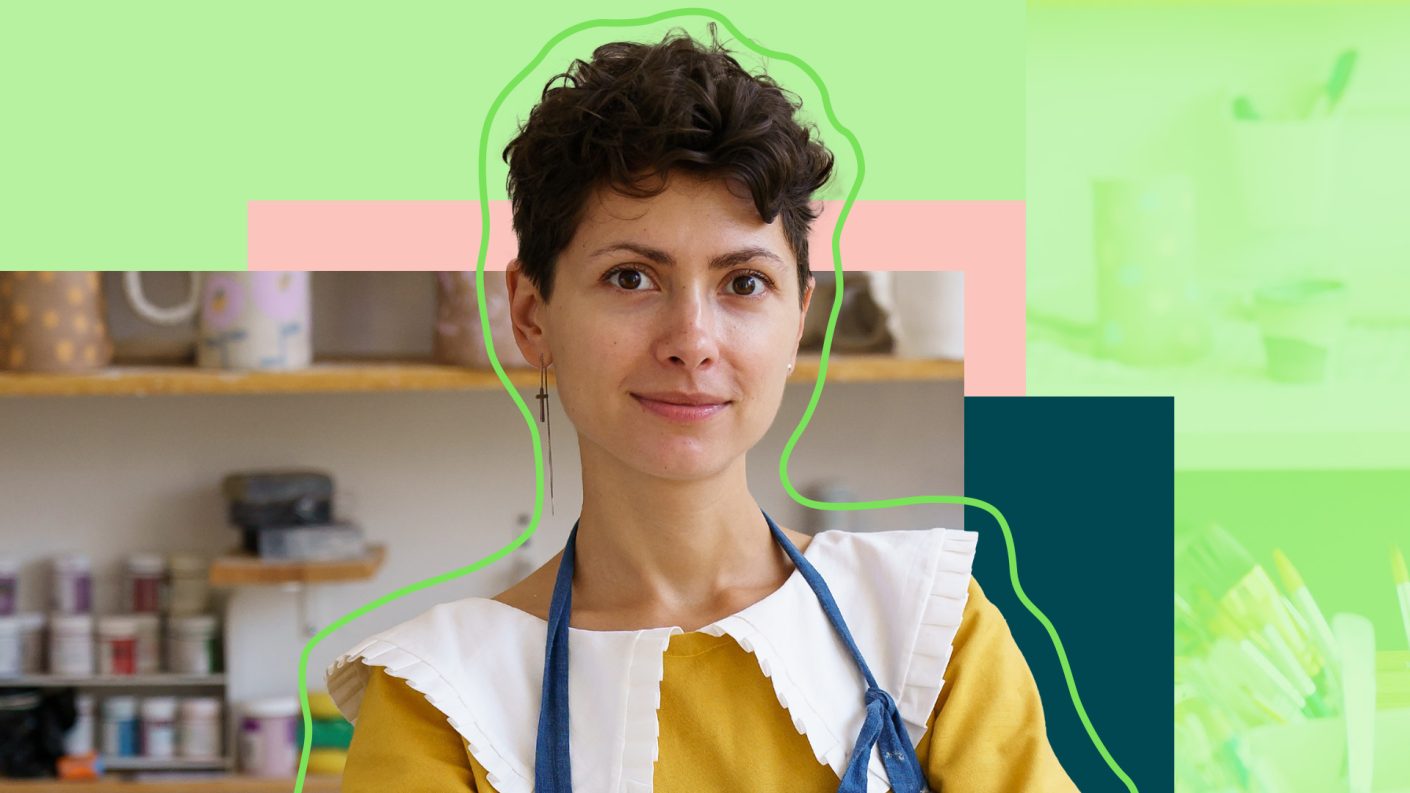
803, 317
526, 314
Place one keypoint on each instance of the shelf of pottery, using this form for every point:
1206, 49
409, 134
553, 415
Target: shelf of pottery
92, 334
135, 687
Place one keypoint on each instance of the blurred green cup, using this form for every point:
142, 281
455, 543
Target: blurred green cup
1301, 322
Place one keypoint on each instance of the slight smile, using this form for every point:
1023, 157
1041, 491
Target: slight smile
683, 408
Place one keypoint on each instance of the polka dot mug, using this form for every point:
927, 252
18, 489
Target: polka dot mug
52, 322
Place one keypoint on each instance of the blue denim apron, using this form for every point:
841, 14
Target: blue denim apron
883, 725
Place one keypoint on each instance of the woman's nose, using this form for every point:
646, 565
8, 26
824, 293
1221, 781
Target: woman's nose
689, 334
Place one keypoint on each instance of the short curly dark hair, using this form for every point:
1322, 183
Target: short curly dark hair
637, 111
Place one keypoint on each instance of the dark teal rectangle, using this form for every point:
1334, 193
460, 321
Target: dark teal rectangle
1086, 485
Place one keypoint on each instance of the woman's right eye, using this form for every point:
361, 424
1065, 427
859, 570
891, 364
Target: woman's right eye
627, 278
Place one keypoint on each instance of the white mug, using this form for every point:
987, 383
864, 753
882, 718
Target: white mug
247, 320
925, 311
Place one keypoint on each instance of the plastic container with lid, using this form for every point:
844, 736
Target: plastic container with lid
9, 585
146, 573
73, 584
328, 733
189, 590
321, 706
117, 645
159, 727
31, 643
79, 739
71, 644
120, 726
149, 643
330, 762
11, 649
268, 734
200, 727
192, 645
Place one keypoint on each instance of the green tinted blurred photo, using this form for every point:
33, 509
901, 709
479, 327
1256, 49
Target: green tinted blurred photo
1217, 195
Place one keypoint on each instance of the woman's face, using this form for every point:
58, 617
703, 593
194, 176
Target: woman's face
672, 324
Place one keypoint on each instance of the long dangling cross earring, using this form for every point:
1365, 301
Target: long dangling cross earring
542, 397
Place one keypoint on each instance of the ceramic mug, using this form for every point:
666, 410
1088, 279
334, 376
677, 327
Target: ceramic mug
53, 322
460, 339
861, 323
246, 320
925, 311
1149, 305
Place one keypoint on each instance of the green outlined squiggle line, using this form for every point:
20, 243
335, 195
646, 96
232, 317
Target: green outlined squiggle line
788, 448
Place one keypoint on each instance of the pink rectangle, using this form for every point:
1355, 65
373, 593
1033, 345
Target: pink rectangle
983, 239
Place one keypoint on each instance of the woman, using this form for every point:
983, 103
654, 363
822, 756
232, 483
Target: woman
661, 200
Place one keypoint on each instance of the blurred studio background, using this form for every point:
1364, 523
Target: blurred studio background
202, 471
1218, 197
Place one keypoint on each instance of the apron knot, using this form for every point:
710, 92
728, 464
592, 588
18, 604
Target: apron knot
883, 730
878, 698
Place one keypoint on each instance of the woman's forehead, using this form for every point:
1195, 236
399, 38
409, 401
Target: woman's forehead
692, 218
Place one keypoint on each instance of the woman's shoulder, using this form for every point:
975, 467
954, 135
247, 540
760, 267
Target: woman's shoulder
434, 651
450, 625
917, 556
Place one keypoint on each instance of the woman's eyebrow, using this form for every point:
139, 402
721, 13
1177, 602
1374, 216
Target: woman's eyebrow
722, 261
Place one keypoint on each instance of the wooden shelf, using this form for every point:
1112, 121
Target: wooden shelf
160, 679
367, 376
876, 369
166, 764
244, 570
217, 784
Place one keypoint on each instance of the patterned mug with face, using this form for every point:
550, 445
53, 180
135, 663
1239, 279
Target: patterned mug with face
247, 320
53, 322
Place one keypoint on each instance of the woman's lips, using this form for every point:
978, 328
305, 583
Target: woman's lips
674, 412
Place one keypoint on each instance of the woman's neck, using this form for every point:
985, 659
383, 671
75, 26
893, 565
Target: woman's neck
661, 551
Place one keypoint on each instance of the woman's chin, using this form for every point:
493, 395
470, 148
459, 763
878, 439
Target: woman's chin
682, 464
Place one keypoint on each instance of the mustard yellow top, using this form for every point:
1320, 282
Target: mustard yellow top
722, 727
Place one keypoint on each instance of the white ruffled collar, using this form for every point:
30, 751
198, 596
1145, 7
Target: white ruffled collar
480, 662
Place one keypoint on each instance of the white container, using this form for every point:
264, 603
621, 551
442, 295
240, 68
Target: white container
79, 738
149, 643
32, 643
189, 590
200, 727
143, 582
120, 726
267, 737
71, 644
925, 311
73, 584
191, 644
11, 651
159, 727
117, 645
1286, 171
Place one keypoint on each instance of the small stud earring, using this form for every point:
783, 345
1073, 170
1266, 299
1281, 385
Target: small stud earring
542, 397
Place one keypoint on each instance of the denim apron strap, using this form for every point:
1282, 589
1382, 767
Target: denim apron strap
882, 726
553, 771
